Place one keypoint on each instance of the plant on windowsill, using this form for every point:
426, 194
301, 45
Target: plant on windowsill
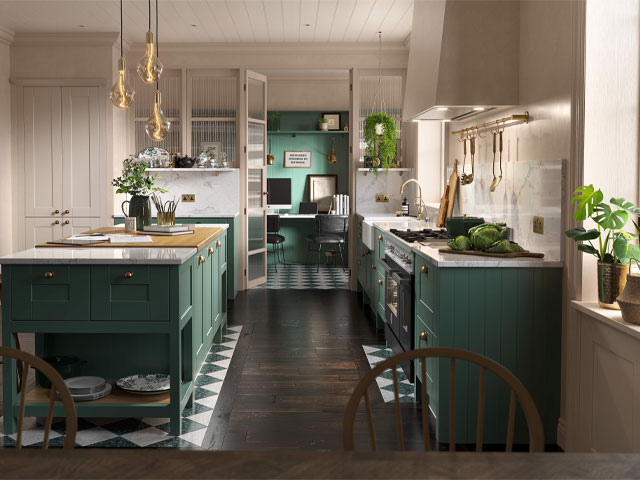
380, 136
135, 182
615, 246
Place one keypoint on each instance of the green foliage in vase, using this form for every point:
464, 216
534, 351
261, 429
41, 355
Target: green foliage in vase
134, 180
614, 244
383, 146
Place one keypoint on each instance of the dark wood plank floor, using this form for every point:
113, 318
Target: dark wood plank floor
296, 363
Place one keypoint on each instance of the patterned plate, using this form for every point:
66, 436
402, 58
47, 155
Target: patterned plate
152, 152
145, 383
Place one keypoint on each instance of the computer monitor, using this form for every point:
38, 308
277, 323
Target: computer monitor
279, 196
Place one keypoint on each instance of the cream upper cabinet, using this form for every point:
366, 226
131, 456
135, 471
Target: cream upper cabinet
42, 230
81, 151
42, 151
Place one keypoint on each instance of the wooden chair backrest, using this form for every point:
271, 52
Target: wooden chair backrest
517, 393
57, 385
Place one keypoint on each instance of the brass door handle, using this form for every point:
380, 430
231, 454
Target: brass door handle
380, 282
66, 212
424, 269
48, 274
265, 193
66, 222
57, 222
210, 251
423, 336
218, 243
200, 259
56, 212
379, 237
128, 274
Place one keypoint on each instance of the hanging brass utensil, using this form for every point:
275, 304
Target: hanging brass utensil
463, 177
332, 156
472, 144
500, 176
494, 183
270, 158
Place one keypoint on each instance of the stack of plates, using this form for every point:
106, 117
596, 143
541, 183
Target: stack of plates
145, 383
84, 389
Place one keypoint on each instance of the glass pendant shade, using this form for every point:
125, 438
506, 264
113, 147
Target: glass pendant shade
157, 126
150, 67
122, 93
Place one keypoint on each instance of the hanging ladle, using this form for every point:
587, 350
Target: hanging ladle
332, 156
463, 177
492, 187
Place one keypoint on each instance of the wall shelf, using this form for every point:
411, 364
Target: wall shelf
399, 171
306, 132
191, 169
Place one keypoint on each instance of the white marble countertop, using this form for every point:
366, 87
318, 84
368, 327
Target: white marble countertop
207, 215
613, 318
100, 256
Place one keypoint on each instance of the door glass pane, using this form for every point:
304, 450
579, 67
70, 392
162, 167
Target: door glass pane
220, 133
214, 96
255, 188
256, 266
256, 230
255, 153
256, 99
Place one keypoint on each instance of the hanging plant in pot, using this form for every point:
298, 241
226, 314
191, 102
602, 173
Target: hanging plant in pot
135, 182
608, 242
380, 136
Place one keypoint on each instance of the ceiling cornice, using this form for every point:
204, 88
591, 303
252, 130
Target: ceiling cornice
6, 35
84, 39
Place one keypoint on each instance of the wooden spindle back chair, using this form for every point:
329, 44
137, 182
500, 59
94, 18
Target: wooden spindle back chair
57, 385
518, 393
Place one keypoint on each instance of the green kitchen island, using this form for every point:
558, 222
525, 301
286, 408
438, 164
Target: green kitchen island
122, 311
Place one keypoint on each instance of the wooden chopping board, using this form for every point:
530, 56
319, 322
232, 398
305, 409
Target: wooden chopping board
442, 211
453, 188
487, 254
198, 239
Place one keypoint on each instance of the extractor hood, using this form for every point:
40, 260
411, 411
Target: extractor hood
463, 58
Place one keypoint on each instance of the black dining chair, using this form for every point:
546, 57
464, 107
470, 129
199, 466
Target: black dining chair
274, 238
331, 230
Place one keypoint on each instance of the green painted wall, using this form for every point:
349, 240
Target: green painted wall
296, 230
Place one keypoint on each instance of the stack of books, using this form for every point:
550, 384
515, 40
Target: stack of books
171, 230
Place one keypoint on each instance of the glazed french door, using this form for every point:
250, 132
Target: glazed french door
256, 178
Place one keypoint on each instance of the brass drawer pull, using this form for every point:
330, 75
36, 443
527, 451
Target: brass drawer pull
48, 274
423, 336
380, 282
200, 259
210, 251
424, 269
128, 274
379, 237
218, 243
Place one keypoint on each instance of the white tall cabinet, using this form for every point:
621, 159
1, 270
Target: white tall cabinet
63, 157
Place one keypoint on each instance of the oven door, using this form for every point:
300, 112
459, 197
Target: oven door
404, 333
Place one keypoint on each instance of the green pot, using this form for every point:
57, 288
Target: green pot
461, 225
139, 207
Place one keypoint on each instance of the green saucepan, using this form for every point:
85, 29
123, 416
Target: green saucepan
461, 225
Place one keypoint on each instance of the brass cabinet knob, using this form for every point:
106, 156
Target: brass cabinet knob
358, 262
424, 269
373, 267
128, 275
48, 274
423, 336
66, 222
380, 282
210, 251
66, 212
56, 212
57, 222
200, 259
379, 237
218, 243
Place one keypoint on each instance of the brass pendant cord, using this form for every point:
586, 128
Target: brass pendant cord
157, 43
149, 14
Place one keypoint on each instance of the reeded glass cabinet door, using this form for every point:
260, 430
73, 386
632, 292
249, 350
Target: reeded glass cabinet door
256, 101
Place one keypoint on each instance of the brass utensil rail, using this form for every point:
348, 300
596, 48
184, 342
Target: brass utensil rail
506, 122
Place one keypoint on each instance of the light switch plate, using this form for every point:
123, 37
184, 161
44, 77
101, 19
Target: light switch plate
538, 225
188, 197
382, 198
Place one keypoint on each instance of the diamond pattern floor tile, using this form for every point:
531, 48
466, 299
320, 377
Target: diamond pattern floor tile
303, 277
378, 353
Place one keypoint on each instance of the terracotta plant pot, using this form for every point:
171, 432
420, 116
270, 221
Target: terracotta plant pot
612, 278
629, 300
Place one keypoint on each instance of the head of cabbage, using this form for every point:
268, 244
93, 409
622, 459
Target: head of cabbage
483, 236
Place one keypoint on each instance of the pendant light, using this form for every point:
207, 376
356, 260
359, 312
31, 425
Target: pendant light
122, 93
157, 126
150, 67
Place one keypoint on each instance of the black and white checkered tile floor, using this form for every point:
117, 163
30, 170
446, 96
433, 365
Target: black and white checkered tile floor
378, 353
148, 432
304, 277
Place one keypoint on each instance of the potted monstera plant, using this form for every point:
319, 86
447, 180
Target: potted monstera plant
380, 136
608, 241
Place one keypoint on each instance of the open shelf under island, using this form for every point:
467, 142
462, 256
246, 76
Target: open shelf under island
122, 311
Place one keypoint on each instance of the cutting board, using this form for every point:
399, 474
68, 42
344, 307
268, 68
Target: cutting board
198, 239
453, 188
442, 211
478, 253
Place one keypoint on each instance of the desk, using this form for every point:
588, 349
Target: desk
173, 463
286, 216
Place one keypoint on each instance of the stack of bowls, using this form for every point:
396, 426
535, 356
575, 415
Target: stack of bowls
85, 389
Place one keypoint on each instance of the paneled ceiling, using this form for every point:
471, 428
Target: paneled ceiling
230, 21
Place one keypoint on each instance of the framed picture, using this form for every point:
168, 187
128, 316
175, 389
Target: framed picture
213, 149
297, 159
334, 120
322, 188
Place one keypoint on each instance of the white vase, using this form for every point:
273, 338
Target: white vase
323, 126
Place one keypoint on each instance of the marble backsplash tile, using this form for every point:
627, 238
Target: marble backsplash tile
528, 188
367, 186
216, 195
